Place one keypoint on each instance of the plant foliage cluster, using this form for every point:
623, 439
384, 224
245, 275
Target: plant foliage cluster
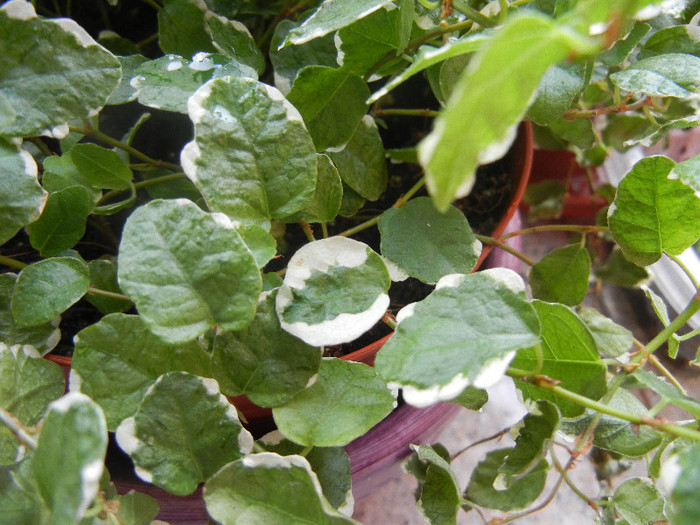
281, 105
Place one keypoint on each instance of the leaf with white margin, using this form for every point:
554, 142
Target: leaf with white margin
365, 42
569, 356
331, 102
167, 82
182, 433
638, 501
427, 244
429, 56
180, 285
334, 290
670, 75
347, 399
331, 16
263, 361
234, 40
21, 197
251, 157
69, 457
535, 435
125, 92
62, 222
476, 127
361, 162
53, 71
654, 212
27, 385
48, 287
43, 337
330, 464
239, 493
440, 495
117, 359
519, 495
464, 333
679, 478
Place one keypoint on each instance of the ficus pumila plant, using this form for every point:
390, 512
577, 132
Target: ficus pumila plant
275, 118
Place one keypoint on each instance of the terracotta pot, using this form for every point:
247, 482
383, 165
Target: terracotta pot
388, 442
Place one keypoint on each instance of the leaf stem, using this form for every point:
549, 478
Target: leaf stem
675, 325
144, 183
570, 483
17, 428
503, 246
622, 107
308, 231
407, 112
103, 137
666, 373
105, 293
472, 13
545, 383
557, 227
12, 263
686, 270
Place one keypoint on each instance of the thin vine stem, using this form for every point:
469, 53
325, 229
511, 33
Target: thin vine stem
686, 270
675, 325
556, 227
103, 137
17, 429
407, 112
622, 107
12, 263
106, 293
481, 441
472, 13
570, 483
145, 183
666, 373
503, 246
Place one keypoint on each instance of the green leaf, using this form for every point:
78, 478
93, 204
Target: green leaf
689, 172
331, 102
661, 310
471, 398
680, 476
614, 434
27, 385
428, 56
43, 337
617, 54
365, 42
654, 212
262, 245
330, 464
535, 436
68, 476
169, 81
62, 223
181, 286
666, 391
440, 495
610, 338
103, 275
325, 203
21, 196
673, 39
103, 168
427, 244
182, 29
618, 270
287, 61
519, 495
238, 494
562, 275
60, 173
346, 400
361, 162
263, 361
183, 432
53, 71
19, 502
46, 288
449, 340
477, 127
125, 92
569, 355
331, 16
233, 39
558, 88
137, 508
351, 202
334, 290
252, 158
670, 75
116, 360
638, 502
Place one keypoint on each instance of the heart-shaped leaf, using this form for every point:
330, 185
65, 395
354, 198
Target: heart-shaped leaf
562, 275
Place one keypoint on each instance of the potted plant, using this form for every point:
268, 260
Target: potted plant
244, 246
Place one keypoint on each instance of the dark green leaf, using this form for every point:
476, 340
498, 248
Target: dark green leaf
103, 275
182, 29
346, 400
638, 502
331, 102
427, 244
102, 168
621, 49
669, 75
618, 270
233, 39
471, 398
440, 495
610, 338
561, 276
47, 288
558, 88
